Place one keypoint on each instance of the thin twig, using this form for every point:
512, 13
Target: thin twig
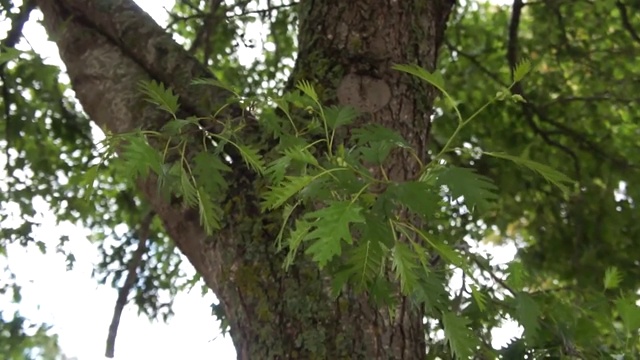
625, 21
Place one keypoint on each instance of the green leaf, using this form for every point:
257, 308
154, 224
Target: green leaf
555, 177
277, 169
287, 211
307, 89
276, 196
216, 83
446, 251
462, 341
188, 189
377, 142
331, 226
301, 154
159, 95
517, 275
521, 70
207, 170
252, 158
479, 297
368, 259
518, 98
612, 278
374, 133
478, 191
527, 314
88, 179
296, 237
139, 157
629, 313
434, 78
405, 265
377, 228
337, 116
9, 54
175, 126
364, 262
210, 213
418, 196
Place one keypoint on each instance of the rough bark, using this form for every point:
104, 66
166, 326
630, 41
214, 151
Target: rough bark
347, 47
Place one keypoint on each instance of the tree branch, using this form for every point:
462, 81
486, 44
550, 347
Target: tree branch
625, 21
12, 39
512, 58
132, 276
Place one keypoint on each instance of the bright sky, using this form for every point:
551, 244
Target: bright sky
80, 310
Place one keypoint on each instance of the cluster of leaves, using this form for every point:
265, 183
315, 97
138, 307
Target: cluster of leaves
20, 340
49, 143
341, 209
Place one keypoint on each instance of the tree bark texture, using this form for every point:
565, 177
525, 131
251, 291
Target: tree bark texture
347, 48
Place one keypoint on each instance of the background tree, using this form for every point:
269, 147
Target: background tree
572, 285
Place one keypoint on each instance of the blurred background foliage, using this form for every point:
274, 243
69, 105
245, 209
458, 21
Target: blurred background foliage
581, 117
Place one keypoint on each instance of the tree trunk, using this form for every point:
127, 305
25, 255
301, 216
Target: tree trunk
347, 48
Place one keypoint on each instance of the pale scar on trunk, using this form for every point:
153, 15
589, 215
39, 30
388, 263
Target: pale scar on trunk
366, 94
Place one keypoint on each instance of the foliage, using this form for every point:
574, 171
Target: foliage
18, 343
492, 177
358, 217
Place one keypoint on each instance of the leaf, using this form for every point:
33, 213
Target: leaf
337, 116
479, 297
307, 89
446, 251
286, 214
301, 154
216, 83
405, 266
88, 179
188, 189
374, 133
379, 142
161, 96
434, 78
174, 127
276, 170
612, 278
461, 340
418, 196
331, 226
364, 263
377, 228
478, 191
283, 105
295, 239
207, 170
629, 313
139, 157
276, 196
9, 54
518, 98
527, 314
517, 275
252, 158
555, 177
369, 256
521, 70
210, 213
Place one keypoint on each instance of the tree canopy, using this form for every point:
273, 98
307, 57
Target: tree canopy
534, 142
